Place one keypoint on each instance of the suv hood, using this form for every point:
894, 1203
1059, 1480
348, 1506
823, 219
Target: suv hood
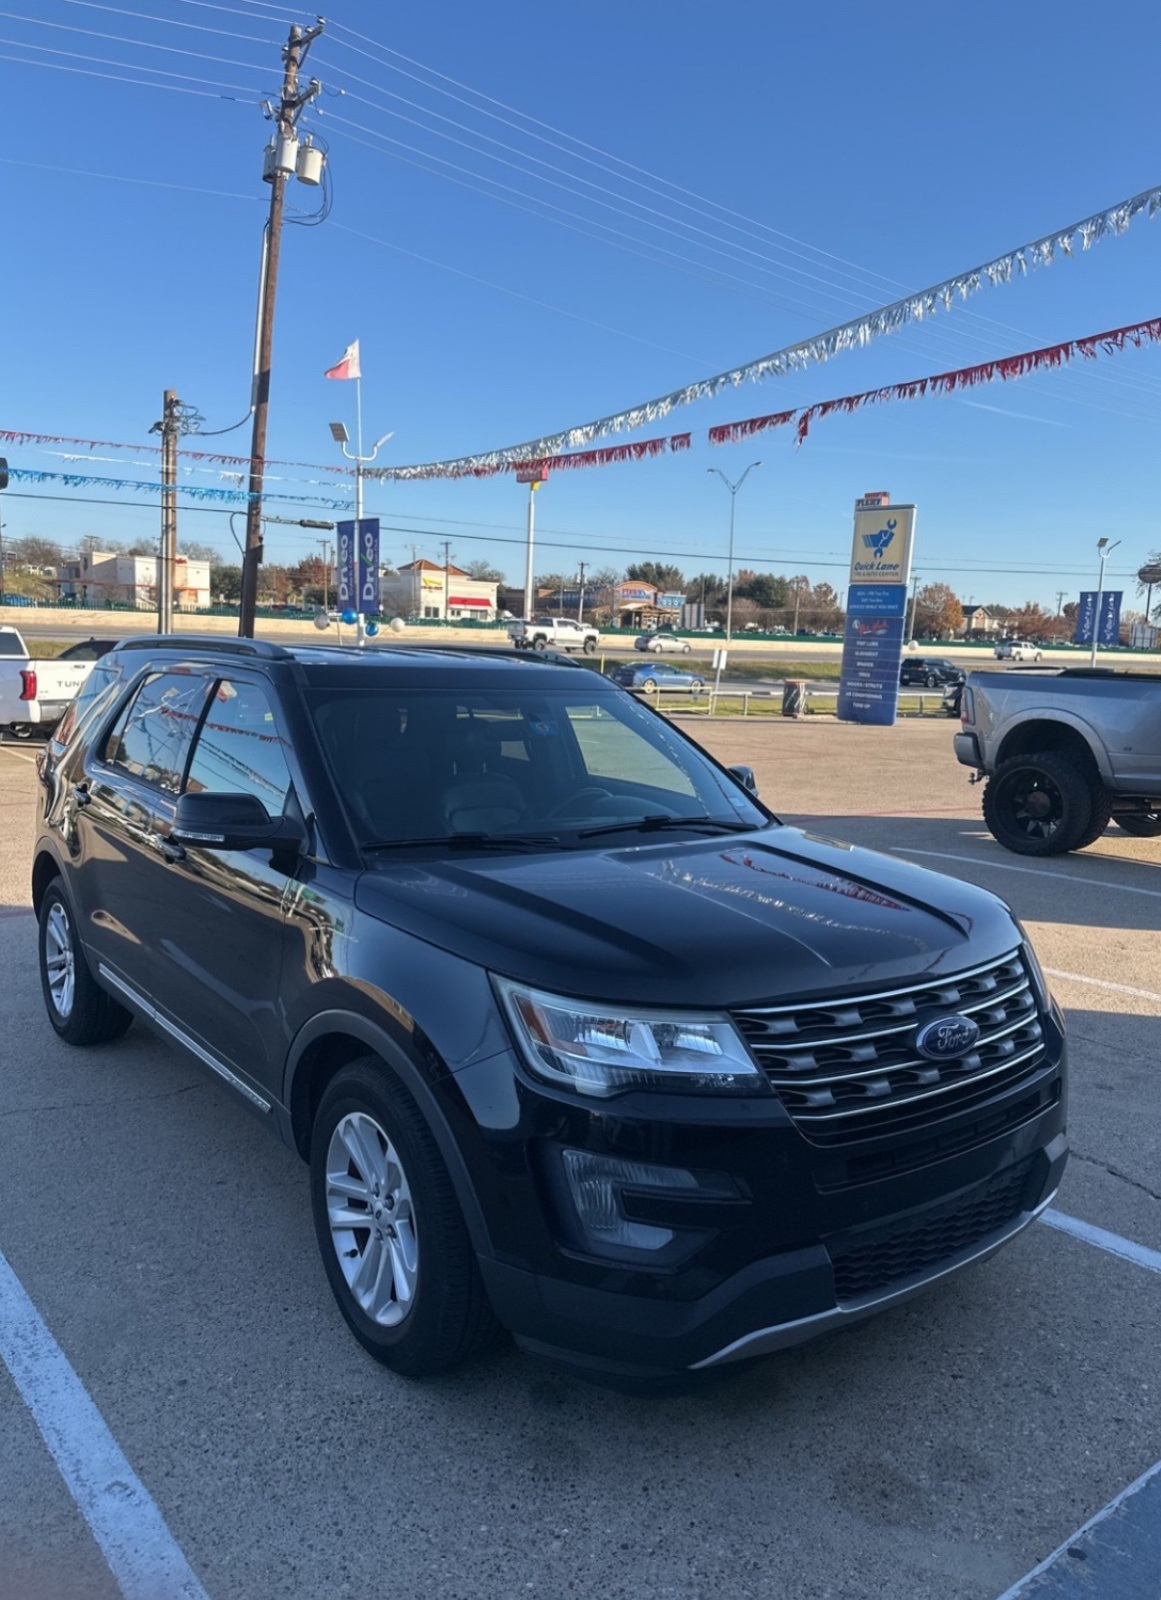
706, 922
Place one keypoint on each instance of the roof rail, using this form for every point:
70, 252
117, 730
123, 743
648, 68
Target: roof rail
206, 641
493, 652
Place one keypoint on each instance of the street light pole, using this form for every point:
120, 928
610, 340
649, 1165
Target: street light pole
733, 488
1105, 550
341, 437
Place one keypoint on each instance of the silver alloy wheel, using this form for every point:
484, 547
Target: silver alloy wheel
372, 1219
59, 965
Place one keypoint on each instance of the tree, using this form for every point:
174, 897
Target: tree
484, 572
767, 590
657, 573
197, 552
826, 614
1030, 620
33, 551
938, 613
227, 582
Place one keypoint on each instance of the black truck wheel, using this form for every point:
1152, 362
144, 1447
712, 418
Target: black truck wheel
1141, 824
1039, 804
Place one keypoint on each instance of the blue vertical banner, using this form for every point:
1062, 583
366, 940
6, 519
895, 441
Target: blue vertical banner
348, 562
1109, 625
1085, 617
369, 566
876, 611
872, 652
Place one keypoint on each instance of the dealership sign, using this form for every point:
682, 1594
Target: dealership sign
876, 612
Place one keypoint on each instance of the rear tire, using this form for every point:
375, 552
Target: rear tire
540, 642
1039, 804
373, 1155
650, 686
589, 647
1142, 825
79, 1010
1102, 810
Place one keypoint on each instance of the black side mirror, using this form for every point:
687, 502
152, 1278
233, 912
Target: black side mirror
233, 822
745, 776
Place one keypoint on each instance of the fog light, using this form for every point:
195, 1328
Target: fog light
594, 1182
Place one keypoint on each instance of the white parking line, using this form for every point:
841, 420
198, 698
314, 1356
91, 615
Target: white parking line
19, 754
1034, 872
1127, 1249
142, 1554
1104, 983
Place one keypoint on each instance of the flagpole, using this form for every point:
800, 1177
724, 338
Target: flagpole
360, 637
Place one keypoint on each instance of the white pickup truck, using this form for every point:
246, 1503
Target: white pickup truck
34, 693
554, 633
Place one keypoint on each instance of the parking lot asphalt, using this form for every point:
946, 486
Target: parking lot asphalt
937, 1453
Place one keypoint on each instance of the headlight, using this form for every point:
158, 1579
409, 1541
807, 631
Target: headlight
602, 1050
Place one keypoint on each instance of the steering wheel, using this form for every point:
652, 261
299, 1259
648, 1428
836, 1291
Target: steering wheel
570, 804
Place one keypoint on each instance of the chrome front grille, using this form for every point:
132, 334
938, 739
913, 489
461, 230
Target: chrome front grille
850, 1068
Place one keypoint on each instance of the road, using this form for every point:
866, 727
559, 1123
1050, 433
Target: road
938, 1453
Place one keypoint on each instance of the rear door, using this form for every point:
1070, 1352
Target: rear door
120, 807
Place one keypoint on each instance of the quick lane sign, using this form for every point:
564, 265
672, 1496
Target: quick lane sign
876, 613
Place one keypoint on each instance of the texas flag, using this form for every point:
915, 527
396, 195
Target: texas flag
348, 367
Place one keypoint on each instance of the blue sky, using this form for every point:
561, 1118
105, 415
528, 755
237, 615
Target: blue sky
858, 149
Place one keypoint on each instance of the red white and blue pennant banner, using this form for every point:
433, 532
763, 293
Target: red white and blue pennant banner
1005, 368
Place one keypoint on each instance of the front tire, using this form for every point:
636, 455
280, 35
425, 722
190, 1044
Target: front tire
589, 647
1039, 804
79, 1010
392, 1237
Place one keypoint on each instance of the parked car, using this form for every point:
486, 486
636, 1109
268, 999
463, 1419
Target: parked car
658, 675
930, 671
1018, 650
576, 1037
1064, 753
659, 640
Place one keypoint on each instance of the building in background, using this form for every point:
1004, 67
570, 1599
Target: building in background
637, 604
103, 577
437, 594
978, 622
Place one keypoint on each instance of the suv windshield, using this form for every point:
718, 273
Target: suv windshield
427, 765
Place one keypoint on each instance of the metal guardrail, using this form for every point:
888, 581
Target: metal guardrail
768, 702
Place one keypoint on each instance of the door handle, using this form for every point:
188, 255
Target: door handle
171, 850
80, 794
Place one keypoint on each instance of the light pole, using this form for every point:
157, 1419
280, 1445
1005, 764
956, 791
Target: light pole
341, 437
533, 476
733, 488
1105, 549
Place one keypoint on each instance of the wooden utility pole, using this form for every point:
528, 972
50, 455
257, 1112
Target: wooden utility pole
280, 165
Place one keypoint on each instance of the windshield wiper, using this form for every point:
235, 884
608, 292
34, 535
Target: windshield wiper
654, 824
463, 841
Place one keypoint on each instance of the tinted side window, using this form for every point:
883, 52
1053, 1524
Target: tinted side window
152, 736
239, 749
93, 695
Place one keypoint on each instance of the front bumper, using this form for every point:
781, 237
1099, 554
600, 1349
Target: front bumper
783, 1299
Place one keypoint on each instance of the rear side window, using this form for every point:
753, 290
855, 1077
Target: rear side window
95, 694
152, 736
239, 748
10, 645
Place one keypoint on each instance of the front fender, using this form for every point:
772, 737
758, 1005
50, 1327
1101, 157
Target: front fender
437, 1102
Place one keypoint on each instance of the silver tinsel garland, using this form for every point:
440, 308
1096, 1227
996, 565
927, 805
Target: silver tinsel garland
860, 330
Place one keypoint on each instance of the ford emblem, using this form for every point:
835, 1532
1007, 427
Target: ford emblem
944, 1038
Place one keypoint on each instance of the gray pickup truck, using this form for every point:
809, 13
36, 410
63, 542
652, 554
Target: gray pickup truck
1064, 753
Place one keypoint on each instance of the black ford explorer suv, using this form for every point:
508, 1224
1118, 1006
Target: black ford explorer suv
576, 1037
